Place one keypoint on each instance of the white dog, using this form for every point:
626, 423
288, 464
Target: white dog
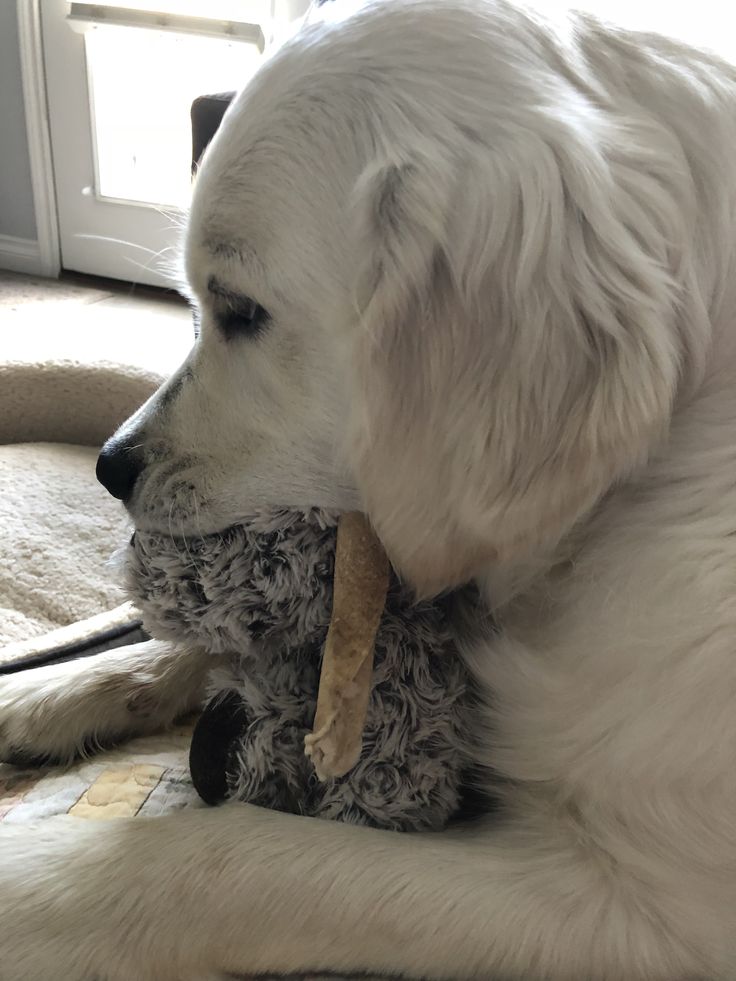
478, 278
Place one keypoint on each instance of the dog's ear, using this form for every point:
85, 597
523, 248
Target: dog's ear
516, 353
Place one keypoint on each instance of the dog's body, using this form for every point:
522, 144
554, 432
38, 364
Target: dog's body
500, 279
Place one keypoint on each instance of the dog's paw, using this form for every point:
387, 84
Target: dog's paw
42, 718
52, 714
59, 711
29, 733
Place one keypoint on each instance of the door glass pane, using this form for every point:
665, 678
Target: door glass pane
142, 85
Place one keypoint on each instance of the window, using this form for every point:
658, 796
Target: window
121, 79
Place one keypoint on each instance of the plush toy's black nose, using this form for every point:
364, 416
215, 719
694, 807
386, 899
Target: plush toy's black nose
118, 467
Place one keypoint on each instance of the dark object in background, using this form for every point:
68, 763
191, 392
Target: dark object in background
206, 115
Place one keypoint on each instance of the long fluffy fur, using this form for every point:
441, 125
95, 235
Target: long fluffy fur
260, 594
499, 263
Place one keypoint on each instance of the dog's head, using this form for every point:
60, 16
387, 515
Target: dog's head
422, 291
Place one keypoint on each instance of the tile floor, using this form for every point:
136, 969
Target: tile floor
88, 319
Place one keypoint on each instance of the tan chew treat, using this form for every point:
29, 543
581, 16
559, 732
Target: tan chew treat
359, 596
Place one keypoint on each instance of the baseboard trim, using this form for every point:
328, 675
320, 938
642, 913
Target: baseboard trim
22, 255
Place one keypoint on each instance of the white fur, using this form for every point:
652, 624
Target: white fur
501, 277
63, 710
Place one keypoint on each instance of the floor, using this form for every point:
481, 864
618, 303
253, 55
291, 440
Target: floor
83, 318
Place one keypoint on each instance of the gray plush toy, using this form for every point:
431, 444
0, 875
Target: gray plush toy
260, 593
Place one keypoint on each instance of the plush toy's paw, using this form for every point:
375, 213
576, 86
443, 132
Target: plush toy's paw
239, 754
216, 735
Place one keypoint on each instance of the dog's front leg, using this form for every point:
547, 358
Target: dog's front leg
57, 711
240, 890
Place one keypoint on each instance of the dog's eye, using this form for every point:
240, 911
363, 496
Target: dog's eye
242, 317
236, 314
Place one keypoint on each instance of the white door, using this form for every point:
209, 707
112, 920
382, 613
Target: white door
121, 80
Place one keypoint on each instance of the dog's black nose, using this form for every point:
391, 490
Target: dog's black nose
118, 467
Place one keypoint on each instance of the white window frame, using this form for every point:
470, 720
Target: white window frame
48, 120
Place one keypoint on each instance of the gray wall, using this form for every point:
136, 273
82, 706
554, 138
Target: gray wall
17, 216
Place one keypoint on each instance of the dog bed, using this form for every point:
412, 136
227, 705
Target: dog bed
57, 597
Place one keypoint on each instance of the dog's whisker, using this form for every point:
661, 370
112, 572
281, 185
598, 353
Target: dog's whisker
171, 532
178, 218
187, 548
156, 260
122, 241
197, 517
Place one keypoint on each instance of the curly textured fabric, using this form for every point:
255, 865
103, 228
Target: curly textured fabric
261, 593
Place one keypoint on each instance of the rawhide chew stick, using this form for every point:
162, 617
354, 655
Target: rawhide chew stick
359, 596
